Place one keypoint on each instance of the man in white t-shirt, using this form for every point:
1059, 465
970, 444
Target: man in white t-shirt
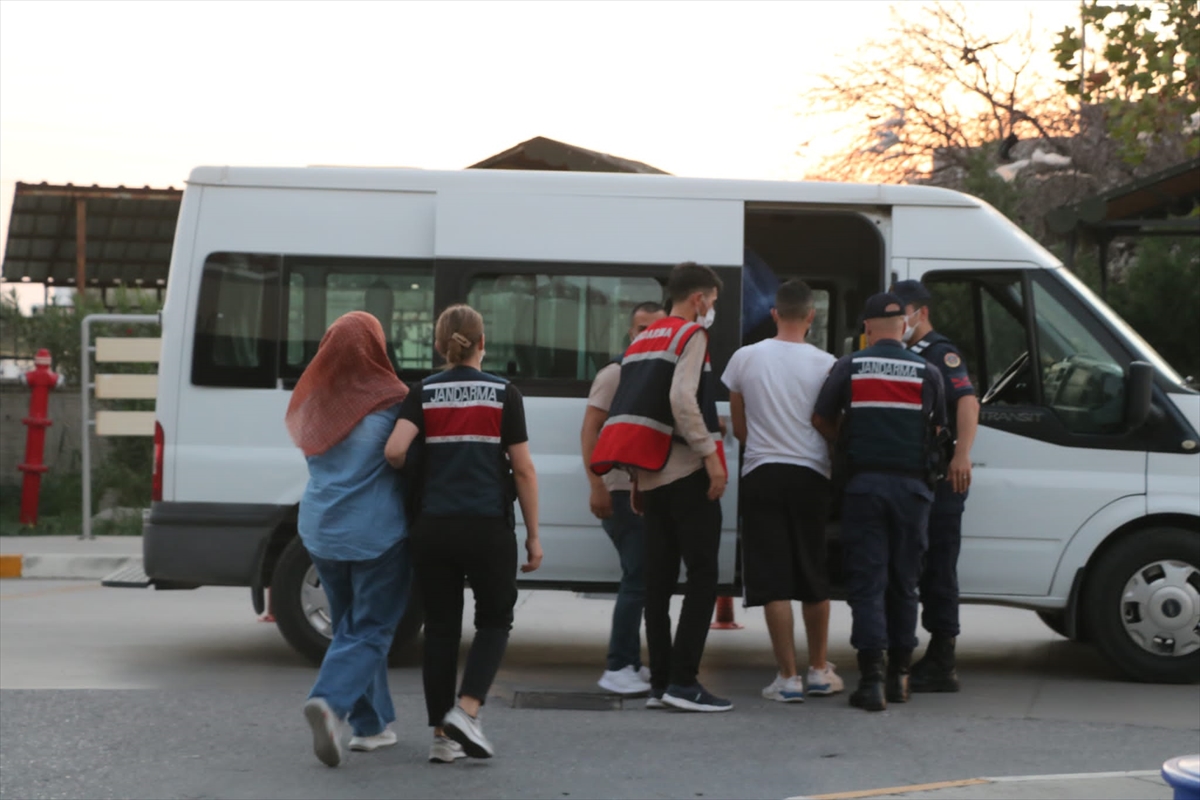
610, 503
785, 491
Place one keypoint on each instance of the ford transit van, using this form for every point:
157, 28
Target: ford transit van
1085, 501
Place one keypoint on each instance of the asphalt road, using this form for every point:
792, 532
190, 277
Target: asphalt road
133, 693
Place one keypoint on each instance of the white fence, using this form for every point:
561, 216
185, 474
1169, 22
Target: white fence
109, 350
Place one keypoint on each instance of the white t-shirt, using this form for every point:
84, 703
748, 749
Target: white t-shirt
779, 382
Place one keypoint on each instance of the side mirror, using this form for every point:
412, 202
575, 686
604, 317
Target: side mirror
1137, 394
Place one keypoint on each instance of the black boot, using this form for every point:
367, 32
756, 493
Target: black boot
869, 695
935, 672
897, 675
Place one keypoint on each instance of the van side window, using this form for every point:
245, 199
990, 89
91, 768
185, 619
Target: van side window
556, 326
399, 293
235, 339
1081, 380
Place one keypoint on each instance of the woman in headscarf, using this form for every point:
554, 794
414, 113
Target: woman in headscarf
475, 461
352, 522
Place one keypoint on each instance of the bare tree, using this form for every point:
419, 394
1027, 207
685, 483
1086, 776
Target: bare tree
925, 96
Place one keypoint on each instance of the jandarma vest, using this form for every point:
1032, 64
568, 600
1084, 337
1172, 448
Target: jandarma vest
640, 424
465, 469
887, 426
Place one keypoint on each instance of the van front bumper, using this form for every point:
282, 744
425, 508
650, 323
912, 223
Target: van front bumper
209, 544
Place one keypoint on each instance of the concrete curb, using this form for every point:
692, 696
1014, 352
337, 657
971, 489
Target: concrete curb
64, 565
1131, 784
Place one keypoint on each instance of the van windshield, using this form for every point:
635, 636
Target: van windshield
1140, 345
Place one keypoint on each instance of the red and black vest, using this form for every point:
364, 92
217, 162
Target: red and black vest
465, 470
888, 427
640, 426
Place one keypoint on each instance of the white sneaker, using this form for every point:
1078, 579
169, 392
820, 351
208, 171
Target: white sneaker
445, 750
466, 730
365, 744
644, 674
785, 690
824, 682
625, 681
327, 740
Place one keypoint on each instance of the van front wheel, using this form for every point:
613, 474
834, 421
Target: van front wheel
302, 611
1144, 605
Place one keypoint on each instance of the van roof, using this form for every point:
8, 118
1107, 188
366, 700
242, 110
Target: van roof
488, 180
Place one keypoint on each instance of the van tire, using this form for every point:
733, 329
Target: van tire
1106, 609
287, 591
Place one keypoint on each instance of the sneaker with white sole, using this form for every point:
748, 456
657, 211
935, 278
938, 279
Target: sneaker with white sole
655, 699
825, 681
466, 730
785, 690
694, 698
445, 750
327, 740
644, 673
365, 744
624, 681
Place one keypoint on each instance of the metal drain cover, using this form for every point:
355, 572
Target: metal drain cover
566, 701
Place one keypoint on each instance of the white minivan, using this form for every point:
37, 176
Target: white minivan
1085, 503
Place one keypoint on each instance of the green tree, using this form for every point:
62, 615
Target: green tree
1160, 298
1142, 60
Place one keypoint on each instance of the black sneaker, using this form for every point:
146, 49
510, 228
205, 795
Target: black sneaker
655, 700
694, 698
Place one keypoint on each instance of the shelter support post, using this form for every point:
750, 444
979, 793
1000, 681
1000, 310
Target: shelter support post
80, 247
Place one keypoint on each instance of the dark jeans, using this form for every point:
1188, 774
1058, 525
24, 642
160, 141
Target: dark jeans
681, 523
447, 550
939, 579
884, 529
627, 531
366, 601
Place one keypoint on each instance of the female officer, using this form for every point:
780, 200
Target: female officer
474, 446
352, 523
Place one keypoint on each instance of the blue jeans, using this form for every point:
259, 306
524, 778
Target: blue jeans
627, 531
885, 522
366, 601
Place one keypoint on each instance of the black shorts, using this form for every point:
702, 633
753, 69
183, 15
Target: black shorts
784, 553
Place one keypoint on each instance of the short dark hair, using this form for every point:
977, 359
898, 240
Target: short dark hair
793, 300
649, 307
690, 277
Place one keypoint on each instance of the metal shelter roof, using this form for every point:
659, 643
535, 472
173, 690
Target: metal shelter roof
540, 153
124, 235
1156, 205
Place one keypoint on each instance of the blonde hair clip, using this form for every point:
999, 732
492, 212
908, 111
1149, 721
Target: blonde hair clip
462, 340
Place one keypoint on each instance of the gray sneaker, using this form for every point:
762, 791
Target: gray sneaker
327, 742
445, 751
466, 730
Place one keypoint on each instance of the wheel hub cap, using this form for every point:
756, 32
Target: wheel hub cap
1160, 608
315, 604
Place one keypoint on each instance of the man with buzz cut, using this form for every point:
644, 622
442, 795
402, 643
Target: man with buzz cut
785, 492
663, 427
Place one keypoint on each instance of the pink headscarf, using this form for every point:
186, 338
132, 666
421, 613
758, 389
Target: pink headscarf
350, 377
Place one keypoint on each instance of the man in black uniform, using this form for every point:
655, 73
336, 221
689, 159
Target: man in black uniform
935, 672
889, 403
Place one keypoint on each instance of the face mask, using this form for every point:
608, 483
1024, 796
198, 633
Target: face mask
707, 320
909, 330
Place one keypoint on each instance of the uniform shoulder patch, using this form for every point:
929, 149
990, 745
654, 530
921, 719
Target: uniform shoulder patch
952, 360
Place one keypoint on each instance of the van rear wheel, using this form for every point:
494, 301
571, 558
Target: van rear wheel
302, 611
1144, 605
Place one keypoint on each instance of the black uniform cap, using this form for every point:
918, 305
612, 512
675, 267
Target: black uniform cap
884, 304
911, 292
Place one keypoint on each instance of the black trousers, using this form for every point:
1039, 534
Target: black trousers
447, 550
681, 524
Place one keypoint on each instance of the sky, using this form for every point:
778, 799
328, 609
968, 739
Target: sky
139, 93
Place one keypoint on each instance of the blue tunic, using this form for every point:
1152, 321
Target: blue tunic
353, 505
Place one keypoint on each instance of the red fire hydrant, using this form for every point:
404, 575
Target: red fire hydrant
41, 380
